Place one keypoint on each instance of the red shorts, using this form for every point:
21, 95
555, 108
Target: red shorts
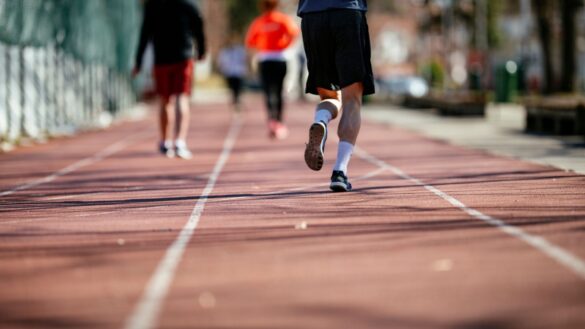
174, 79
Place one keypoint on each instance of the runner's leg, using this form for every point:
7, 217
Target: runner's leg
183, 116
330, 102
166, 117
350, 122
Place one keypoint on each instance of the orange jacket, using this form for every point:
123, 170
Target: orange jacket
273, 31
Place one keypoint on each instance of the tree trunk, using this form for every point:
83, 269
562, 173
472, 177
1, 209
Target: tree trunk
569, 63
545, 32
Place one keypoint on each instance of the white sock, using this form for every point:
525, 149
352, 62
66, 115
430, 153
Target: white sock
168, 143
180, 143
323, 115
344, 151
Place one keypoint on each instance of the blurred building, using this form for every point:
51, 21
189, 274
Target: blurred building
394, 36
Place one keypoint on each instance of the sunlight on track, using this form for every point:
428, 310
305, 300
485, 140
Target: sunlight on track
108, 151
560, 255
147, 311
369, 175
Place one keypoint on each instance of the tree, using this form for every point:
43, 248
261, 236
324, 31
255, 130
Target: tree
543, 10
241, 13
569, 49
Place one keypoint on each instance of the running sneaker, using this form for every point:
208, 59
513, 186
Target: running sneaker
339, 182
183, 152
281, 131
165, 150
316, 145
272, 125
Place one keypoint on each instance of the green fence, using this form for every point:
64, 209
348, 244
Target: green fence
64, 64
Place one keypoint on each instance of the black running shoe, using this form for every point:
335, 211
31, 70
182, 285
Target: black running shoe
166, 151
339, 182
316, 145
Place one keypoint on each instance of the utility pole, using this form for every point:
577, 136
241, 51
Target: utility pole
481, 28
481, 40
526, 35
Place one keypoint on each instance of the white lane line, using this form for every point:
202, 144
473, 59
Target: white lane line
73, 196
108, 151
61, 220
146, 313
560, 255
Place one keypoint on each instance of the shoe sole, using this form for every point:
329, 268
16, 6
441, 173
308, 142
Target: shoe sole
339, 187
169, 154
315, 146
184, 156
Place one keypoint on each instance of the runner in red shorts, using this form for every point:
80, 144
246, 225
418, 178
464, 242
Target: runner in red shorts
172, 26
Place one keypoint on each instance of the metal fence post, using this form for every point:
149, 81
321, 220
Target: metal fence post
13, 94
30, 93
3, 92
85, 83
50, 90
41, 81
68, 94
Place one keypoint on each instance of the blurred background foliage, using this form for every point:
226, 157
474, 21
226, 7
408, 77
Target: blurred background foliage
241, 13
92, 31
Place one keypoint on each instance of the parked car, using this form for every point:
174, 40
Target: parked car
396, 88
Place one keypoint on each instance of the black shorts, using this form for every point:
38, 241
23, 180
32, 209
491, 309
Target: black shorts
337, 44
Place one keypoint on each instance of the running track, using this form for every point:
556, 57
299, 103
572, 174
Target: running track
98, 231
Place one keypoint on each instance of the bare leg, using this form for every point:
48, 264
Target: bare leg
349, 126
183, 117
348, 130
182, 127
326, 110
332, 107
166, 118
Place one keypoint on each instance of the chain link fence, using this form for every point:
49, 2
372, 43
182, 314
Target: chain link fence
64, 65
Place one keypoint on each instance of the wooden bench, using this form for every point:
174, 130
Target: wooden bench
555, 115
458, 103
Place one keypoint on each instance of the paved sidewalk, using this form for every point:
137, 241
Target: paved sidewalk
499, 133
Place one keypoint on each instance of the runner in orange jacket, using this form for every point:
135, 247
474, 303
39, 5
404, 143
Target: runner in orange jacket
270, 34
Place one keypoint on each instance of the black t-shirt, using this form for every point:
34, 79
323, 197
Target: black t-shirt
311, 6
172, 26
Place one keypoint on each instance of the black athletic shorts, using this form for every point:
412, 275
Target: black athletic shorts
337, 44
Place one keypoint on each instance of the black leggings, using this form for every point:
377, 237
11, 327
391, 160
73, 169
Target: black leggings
235, 85
272, 75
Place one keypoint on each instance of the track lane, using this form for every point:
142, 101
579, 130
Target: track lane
364, 257
97, 234
391, 254
64, 156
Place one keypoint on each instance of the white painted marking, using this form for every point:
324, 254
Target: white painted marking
77, 195
146, 313
114, 148
560, 255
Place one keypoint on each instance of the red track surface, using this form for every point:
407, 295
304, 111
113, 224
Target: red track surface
272, 247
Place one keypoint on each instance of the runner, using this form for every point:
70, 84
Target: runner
172, 26
232, 64
270, 34
337, 44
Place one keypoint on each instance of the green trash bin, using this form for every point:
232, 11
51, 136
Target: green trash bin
506, 82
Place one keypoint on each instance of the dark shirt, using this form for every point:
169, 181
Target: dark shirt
311, 6
171, 25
